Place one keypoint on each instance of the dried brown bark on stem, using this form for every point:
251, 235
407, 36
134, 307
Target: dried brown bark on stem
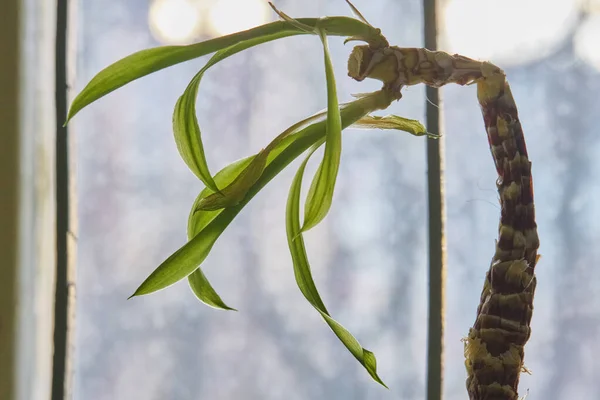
494, 347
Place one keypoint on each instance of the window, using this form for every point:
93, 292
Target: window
134, 198
369, 256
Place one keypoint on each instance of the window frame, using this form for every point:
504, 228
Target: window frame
28, 212
38, 214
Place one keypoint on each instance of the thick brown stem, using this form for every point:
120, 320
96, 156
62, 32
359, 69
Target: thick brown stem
494, 348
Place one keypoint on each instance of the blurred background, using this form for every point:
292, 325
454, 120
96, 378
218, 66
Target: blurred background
369, 256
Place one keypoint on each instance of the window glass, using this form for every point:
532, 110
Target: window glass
369, 255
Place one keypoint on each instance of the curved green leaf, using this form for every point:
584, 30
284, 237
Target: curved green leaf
358, 13
199, 217
320, 194
197, 221
205, 292
287, 18
185, 123
187, 133
236, 190
145, 62
303, 275
411, 126
185, 260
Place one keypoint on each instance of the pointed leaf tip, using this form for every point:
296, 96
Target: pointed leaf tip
291, 20
304, 279
358, 13
394, 122
205, 292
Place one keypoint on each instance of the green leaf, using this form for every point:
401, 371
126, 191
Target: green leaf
199, 217
205, 292
411, 126
287, 18
210, 226
303, 275
236, 190
185, 260
187, 133
358, 13
145, 62
320, 194
197, 221
185, 123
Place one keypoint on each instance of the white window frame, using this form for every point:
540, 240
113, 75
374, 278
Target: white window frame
28, 222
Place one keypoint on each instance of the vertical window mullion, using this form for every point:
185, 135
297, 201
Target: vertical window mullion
64, 312
27, 198
436, 216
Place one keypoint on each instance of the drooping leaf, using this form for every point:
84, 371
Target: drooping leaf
320, 194
303, 275
186, 129
205, 292
145, 62
199, 217
188, 136
185, 260
197, 221
411, 126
